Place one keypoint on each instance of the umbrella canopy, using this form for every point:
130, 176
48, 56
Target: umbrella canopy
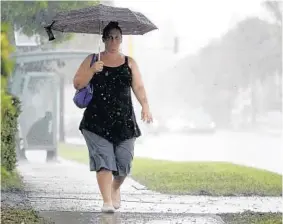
94, 19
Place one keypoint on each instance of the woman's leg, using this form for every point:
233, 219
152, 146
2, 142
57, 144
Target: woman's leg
104, 180
102, 160
124, 153
116, 193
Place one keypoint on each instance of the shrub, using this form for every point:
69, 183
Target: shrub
10, 106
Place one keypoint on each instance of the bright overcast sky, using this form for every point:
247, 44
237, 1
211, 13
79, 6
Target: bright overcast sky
196, 21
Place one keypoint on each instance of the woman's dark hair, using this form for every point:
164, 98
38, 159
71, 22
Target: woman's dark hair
110, 26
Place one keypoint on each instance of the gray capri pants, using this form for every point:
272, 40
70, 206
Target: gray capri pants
102, 154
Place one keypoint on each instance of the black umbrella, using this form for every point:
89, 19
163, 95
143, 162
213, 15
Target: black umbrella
94, 19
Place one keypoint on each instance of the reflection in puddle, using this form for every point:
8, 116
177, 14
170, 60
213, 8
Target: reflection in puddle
118, 218
114, 218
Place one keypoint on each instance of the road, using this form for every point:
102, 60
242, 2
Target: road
251, 149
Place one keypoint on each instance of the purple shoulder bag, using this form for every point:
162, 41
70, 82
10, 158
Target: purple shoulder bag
83, 96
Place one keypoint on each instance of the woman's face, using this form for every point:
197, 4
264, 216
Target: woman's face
113, 41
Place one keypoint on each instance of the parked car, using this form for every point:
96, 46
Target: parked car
200, 122
195, 121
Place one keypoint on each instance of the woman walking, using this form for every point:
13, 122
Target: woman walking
109, 124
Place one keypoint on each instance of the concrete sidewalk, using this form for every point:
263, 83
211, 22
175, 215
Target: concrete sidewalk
70, 187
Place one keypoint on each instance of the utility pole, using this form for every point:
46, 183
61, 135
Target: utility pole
176, 46
61, 109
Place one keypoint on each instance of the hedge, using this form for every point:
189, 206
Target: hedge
10, 106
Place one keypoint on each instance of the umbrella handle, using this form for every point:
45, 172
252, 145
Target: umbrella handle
99, 41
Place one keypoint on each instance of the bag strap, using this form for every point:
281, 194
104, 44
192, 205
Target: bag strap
93, 59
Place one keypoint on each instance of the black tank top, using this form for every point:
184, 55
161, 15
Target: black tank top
110, 114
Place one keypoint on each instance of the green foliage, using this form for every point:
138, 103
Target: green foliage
248, 53
30, 16
10, 180
275, 8
252, 217
14, 215
194, 178
251, 48
6, 68
10, 106
8, 134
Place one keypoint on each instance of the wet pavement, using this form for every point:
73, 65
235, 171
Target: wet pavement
68, 193
71, 182
130, 218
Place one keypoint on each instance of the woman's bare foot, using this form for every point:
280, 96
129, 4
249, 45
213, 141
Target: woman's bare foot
108, 208
116, 198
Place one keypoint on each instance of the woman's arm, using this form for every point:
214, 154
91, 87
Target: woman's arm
137, 84
85, 72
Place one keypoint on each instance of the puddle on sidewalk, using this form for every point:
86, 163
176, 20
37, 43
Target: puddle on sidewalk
129, 218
